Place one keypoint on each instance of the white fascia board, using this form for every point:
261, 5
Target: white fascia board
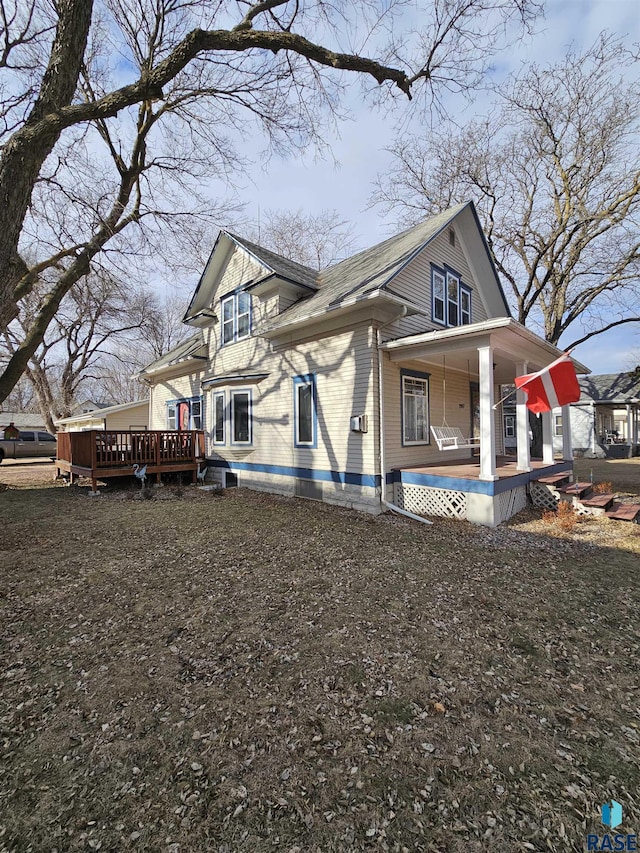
343, 307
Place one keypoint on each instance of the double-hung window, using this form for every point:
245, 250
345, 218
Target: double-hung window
236, 317
219, 406
438, 284
465, 305
304, 411
450, 298
415, 407
241, 415
557, 424
453, 299
509, 426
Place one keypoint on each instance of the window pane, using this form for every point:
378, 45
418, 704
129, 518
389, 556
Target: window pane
465, 307
243, 325
305, 413
27, 436
218, 435
438, 297
45, 436
227, 309
415, 409
244, 305
452, 300
241, 418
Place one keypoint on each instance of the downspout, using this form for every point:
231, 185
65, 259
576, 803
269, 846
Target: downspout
383, 471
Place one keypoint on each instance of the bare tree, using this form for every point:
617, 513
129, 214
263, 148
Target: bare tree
554, 174
166, 88
96, 314
315, 240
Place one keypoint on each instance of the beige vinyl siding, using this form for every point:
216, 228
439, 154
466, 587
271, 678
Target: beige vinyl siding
458, 394
414, 284
343, 368
179, 388
138, 417
240, 270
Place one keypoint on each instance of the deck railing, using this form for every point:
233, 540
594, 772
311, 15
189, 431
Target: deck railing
97, 449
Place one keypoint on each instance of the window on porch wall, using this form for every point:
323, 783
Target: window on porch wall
415, 409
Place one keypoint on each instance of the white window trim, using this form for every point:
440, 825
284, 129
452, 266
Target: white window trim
436, 272
557, 428
415, 378
235, 393
219, 395
234, 300
307, 381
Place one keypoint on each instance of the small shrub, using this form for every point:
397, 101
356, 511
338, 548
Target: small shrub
565, 517
602, 488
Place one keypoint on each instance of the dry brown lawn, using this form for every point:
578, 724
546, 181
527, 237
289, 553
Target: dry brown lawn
239, 672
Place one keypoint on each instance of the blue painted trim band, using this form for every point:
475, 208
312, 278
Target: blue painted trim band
344, 477
480, 487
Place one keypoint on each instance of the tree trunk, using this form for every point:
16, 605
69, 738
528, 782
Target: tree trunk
25, 152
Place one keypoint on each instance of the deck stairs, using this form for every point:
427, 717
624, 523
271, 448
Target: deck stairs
548, 491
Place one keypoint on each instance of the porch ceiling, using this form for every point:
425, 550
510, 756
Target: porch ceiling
511, 342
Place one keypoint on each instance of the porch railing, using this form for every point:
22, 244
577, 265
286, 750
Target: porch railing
97, 449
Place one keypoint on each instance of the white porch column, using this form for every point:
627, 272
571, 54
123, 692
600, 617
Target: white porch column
547, 438
522, 423
567, 443
629, 430
487, 418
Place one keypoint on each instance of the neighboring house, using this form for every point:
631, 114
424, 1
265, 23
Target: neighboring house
326, 384
22, 420
606, 420
88, 406
127, 416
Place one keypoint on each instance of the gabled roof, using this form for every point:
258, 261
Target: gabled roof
611, 387
372, 269
192, 347
100, 414
278, 265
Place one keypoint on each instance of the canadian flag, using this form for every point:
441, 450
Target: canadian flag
554, 385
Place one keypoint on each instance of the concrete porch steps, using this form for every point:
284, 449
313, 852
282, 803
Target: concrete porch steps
624, 512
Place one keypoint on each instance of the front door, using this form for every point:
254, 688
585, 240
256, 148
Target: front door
474, 396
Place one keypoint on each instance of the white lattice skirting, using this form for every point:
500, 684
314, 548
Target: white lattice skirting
543, 496
425, 500
511, 502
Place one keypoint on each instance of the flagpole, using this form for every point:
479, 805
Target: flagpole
542, 370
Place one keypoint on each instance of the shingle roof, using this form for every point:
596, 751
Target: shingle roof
186, 350
610, 387
367, 271
279, 265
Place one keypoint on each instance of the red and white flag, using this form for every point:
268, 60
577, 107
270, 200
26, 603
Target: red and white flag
554, 385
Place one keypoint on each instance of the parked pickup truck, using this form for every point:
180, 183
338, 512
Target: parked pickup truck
29, 443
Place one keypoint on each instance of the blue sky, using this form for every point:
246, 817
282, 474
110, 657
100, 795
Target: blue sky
315, 184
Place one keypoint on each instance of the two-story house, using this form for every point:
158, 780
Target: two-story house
338, 385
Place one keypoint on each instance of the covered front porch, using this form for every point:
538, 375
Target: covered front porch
467, 366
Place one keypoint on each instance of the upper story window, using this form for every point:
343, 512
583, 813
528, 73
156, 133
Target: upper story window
450, 298
236, 317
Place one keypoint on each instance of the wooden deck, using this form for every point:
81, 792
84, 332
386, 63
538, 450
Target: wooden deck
469, 469
99, 453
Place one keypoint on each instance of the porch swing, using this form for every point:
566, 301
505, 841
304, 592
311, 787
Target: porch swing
450, 438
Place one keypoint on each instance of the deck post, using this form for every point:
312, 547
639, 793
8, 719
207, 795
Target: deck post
522, 423
487, 419
547, 438
567, 443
